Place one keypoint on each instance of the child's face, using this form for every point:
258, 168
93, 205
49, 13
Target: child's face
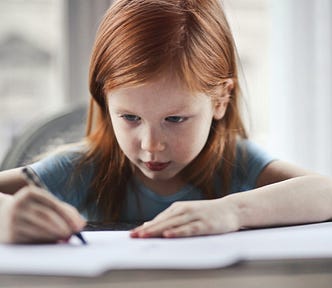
160, 126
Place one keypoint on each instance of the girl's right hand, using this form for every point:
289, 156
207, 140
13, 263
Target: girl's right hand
33, 215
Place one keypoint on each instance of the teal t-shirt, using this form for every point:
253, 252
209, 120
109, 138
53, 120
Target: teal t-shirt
142, 204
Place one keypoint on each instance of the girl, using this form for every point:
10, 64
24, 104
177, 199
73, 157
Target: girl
165, 142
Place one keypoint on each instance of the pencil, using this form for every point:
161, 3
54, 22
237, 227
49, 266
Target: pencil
33, 179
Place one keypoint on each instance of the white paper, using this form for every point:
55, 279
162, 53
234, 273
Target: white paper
116, 250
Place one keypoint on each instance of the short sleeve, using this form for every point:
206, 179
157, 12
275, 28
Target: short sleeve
57, 172
250, 161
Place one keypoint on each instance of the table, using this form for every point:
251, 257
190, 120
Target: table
315, 273
292, 273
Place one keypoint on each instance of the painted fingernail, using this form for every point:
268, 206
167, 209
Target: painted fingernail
133, 234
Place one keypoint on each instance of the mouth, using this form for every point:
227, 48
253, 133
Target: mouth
156, 166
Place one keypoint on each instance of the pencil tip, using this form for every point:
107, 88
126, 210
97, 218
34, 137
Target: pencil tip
79, 235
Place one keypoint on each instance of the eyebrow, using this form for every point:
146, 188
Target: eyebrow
178, 110
175, 111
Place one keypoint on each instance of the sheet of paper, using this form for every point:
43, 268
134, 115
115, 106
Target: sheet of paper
304, 241
116, 250
112, 250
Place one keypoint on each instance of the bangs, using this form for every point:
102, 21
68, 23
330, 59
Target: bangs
158, 38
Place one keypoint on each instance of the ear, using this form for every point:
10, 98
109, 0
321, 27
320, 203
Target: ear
222, 99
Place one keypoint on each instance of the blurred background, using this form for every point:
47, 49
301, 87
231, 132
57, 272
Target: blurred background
286, 65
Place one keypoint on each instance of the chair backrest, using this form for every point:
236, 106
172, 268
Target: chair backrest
66, 127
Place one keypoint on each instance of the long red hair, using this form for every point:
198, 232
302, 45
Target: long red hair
137, 41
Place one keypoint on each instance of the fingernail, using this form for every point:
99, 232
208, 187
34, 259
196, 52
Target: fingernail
143, 234
133, 234
65, 240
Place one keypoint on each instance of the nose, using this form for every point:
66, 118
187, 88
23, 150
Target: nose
152, 140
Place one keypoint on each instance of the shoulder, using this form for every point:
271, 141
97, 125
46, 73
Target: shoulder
249, 153
62, 172
250, 161
59, 161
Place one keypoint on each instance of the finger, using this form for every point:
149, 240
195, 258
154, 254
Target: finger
157, 228
70, 214
142, 230
176, 209
31, 234
73, 217
193, 228
64, 210
46, 220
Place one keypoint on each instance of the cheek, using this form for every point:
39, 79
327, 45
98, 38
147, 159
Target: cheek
123, 137
191, 142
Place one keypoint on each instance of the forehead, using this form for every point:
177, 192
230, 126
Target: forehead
164, 93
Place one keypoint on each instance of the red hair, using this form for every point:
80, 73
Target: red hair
139, 40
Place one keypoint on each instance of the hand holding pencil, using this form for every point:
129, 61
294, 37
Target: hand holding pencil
32, 215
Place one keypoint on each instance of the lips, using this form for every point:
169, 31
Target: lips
156, 166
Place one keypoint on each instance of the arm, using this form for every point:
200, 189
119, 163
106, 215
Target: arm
30, 214
291, 196
11, 181
284, 195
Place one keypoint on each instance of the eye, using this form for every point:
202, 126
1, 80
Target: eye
176, 119
130, 118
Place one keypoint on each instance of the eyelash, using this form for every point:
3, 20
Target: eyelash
171, 119
130, 117
176, 119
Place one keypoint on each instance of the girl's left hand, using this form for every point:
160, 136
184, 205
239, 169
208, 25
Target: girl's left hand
191, 218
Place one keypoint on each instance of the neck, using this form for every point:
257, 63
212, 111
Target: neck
161, 187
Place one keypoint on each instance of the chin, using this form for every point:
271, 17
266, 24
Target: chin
159, 176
